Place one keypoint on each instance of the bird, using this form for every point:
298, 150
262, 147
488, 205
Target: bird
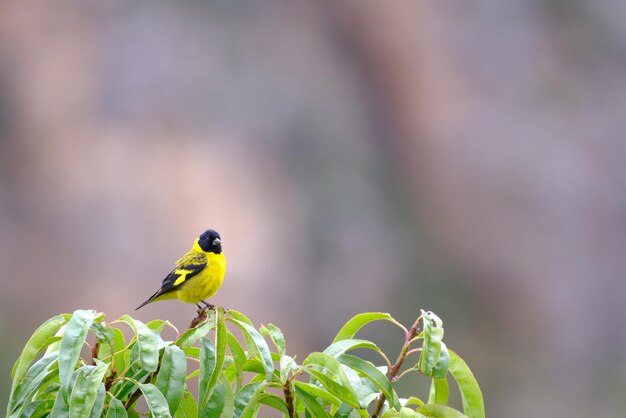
197, 275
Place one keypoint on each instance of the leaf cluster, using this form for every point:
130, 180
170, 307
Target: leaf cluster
235, 377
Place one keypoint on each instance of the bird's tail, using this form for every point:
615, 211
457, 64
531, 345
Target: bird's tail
151, 299
144, 304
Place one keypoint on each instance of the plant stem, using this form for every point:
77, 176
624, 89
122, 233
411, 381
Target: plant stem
289, 399
94, 352
392, 374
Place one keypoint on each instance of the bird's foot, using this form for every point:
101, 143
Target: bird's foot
208, 305
215, 308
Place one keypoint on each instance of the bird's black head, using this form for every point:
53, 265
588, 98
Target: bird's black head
210, 241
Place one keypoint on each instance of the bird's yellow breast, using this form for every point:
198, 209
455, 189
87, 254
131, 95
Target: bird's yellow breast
206, 283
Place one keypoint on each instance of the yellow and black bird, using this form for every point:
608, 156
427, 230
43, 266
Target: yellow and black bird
198, 274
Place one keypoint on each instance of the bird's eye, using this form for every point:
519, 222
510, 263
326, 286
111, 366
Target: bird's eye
217, 241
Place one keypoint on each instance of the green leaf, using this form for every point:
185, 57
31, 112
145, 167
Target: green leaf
287, 367
431, 347
340, 347
402, 413
49, 385
158, 325
187, 407
254, 403
346, 394
439, 411
108, 339
207, 368
277, 337
239, 357
310, 403
215, 403
147, 344
35, 344
243, 397
171, 377
71, 345
364, 388
318, 392
155, 400
275, 402
344, 390
473, 405
60, 407
98, 406
30, 409
370, 371
55, 342
189, 337
221, 340
116, 409
125, 388
260, 345
356, 323
85, 390
119, 350
345, 411
441, 368
38, 409
104, 333
439, 392
192, 352
254, 365
31, 382
412, 400
240, 317
229, 398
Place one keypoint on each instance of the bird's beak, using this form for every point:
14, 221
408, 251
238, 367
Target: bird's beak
217, 241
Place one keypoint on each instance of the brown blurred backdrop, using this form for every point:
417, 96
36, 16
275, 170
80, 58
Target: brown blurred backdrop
463, 157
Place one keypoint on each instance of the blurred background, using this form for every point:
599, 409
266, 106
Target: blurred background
461, 157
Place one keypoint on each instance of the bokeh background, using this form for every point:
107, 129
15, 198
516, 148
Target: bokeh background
463, 157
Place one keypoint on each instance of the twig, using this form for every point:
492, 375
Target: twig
414, 350
203, 315
94, 351
392, 374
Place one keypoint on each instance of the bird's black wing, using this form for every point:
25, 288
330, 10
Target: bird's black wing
188, 266
191, 264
